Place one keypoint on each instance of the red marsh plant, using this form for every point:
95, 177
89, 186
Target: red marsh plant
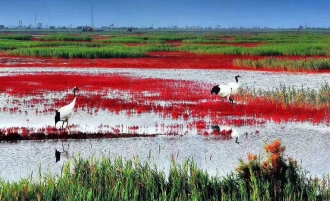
274, 176
134, 95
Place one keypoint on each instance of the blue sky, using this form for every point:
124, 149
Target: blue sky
163, 13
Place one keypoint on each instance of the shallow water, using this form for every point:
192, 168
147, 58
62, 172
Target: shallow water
306, 143
256, 79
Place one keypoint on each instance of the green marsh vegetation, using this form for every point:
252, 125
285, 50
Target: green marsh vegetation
281, 49
288, 95
284, 64
271, 44
86, 51
270, 177
16, 37
65, 37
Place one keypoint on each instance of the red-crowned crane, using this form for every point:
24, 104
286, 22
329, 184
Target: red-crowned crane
234, 85
65, 112
223, 91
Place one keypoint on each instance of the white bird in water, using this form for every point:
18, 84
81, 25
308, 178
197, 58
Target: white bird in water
234, 85
65, 112
223, 91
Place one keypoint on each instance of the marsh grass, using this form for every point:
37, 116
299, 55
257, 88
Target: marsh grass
132, 39
262, 50
284, 64
23, 37
271, 44
277, 178
65, 37
110, 51
288, 95
282, 38
8, 45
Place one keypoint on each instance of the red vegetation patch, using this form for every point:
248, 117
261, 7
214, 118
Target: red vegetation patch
155, 60
100, 37
227, 37
167, 98
175, 42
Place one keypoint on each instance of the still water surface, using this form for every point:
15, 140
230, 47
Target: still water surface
308, 144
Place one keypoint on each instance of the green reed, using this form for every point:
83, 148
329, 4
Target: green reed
109, 51
23, 37
132, 39
278, 178
270, 44
282, 38
12, 44
262, 50
284, 64
65, 37
289, 95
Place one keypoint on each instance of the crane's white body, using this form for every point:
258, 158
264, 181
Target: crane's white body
223, 91
234, 85
66, 112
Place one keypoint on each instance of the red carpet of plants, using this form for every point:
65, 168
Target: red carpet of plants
187, 100
155, 60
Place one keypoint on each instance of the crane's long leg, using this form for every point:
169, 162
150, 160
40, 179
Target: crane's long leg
237, 140
231, 100
67, 124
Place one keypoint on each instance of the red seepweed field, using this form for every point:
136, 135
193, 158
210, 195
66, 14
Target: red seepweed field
154, 60
32, 88
185, 101
158, 106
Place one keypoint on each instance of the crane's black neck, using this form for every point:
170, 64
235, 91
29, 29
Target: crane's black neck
236, 78
74, 92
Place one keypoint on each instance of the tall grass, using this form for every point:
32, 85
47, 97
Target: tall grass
277, 178
132, 39
12, 44
16, 37
284, 64
272, 43
110, 51
263, 50
204, 40
65, 37
288, 95
282, 38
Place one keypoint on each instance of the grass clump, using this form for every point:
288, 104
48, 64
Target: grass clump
71, 52
288, 38
132, 39
275, 178
303, 97
262, 50
284, 64
65, 37
16, 37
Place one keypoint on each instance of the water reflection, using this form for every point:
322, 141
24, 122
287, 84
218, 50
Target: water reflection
216, 154
224, 132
